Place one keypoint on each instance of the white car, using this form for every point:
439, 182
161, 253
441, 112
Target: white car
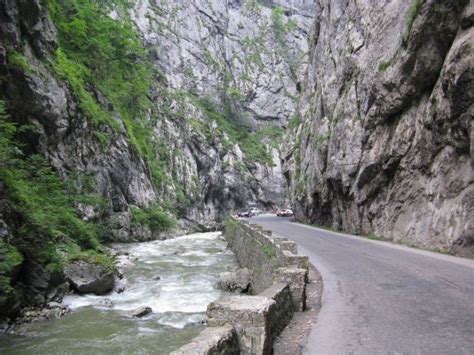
255, 211
285, 213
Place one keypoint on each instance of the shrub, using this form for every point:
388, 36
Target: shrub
10, 258
154, 217
18, 61
37, 194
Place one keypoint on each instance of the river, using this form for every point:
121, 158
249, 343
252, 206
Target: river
175, 277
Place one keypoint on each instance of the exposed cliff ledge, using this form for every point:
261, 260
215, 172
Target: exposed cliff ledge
383, 143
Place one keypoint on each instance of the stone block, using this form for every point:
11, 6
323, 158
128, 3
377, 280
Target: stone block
212, 340
298, 261
296, 280
289, 246
250, 316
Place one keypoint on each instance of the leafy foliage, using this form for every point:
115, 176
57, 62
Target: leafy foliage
280, 28
10, 258
37, 194
119, 67
154, 217
119, 70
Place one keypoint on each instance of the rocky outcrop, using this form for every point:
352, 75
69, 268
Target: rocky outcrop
383, 141
87, 277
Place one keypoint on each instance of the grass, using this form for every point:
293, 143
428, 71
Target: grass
413, 13
269, 251
294, 122
273, 135
19, 61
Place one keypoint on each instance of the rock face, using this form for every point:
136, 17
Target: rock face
240, 55
244, 57
85, 277
383, 141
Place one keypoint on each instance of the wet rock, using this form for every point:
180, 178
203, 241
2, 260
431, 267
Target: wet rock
4, 325
51, 305
106, 303
237, 281
120, 285
30, 315
179, 251
139, 312
85, 277
40, 284
157, 278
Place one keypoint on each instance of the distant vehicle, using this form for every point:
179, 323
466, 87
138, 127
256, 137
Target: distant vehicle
255, 211
285, 213
244, 214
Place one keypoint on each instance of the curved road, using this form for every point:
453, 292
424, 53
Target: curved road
384, 298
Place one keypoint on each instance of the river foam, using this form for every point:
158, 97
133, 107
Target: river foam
175, 277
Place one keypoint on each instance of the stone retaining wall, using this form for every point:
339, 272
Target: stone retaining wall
271, 259
249, 324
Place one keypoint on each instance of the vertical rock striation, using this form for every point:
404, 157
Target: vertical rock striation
238, 58
383, 140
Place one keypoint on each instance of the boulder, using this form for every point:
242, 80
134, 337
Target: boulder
238, 281
139, 312
120, 285
86, 277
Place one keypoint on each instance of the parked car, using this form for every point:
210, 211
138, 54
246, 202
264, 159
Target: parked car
244, 214
255, 211
285, 213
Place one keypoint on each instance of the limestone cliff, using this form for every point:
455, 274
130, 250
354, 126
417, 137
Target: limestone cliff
147, 111
383, 141
242, 57
225, 82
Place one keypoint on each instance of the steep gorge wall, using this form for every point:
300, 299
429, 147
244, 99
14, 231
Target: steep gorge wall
147, 111
243, 58
383, 142
215, 117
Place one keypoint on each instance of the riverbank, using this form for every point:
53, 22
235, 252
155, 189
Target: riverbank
174, 277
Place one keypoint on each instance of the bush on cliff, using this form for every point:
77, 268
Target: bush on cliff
46, 226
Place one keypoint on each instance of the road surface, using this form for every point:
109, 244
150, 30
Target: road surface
384, 298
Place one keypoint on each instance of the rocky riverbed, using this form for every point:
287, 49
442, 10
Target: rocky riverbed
158, 306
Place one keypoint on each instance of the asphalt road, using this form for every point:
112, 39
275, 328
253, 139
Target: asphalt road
383, 298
